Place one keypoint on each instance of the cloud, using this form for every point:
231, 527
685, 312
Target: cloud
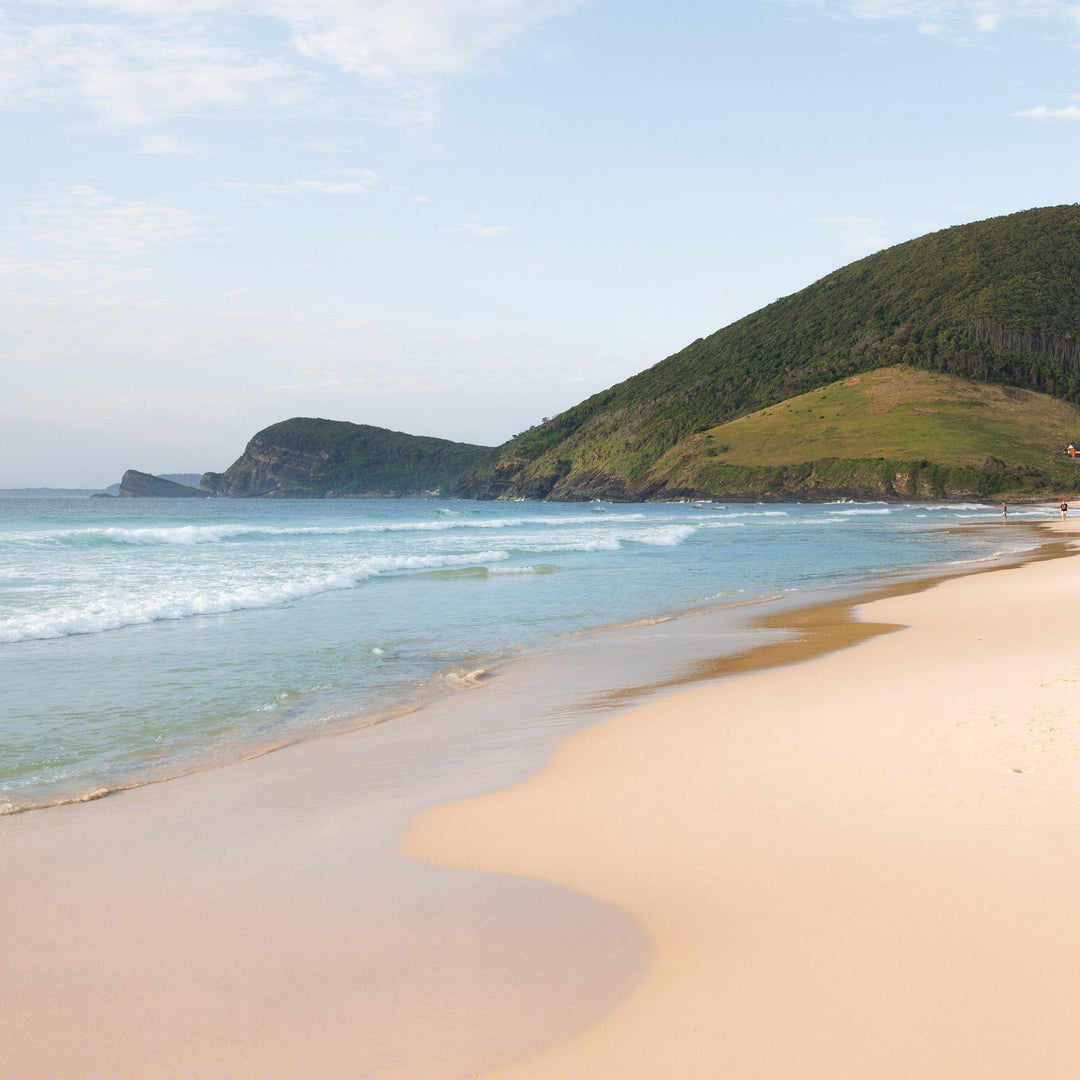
384, 39
1041, 112
89, 241
135, 61
409, 38
84, 219
957, 19
337, 187
479, 232
132, 76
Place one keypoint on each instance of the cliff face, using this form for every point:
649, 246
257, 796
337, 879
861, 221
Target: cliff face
261, 469
314, 458
140, 485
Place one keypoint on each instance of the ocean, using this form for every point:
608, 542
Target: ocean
142, 639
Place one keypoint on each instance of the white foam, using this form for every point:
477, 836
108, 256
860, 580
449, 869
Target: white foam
95, 615
755, 513
182, 535
188, 535
386, 564
611, 544
671, 536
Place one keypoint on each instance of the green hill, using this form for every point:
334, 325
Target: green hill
894, 432
996, 300
311, 458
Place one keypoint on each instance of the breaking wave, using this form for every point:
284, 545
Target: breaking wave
118, 610
190, 535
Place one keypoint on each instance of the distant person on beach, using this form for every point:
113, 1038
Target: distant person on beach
1064, 509
1004, 512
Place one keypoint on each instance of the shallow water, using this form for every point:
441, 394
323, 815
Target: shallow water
144, 638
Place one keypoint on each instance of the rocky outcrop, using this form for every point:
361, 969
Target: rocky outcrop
262, 470
140, 485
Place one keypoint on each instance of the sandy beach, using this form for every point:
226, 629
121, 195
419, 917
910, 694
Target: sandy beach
864, 865
857, 864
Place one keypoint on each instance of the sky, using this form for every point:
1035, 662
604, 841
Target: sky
457, 217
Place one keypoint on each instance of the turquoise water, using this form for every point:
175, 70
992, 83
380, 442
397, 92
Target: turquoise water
142, 638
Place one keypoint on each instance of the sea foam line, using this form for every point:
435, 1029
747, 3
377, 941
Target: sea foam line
188, 535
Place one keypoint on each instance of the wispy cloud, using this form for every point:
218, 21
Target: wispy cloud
959, 19
410, 38
93, 244
85, 220
133, 62
132, 76
1042, 112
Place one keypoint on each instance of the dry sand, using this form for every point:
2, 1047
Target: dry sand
866, 865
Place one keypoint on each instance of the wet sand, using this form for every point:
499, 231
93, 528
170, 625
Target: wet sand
258, 920
861, 865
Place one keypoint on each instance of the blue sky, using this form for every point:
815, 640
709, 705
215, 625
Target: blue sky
455, 217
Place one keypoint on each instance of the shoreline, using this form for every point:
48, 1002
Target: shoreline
269, 925
857, 864
744, 613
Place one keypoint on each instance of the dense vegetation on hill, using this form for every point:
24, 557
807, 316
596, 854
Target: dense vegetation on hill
997, 300
310, 458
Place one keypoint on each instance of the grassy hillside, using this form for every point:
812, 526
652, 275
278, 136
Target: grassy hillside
901, 412
308, 457
996, 300
892, 432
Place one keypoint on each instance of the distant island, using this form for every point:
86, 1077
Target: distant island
945, 367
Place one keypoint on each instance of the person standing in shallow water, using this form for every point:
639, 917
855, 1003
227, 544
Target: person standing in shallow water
1004, 512
1064, 509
